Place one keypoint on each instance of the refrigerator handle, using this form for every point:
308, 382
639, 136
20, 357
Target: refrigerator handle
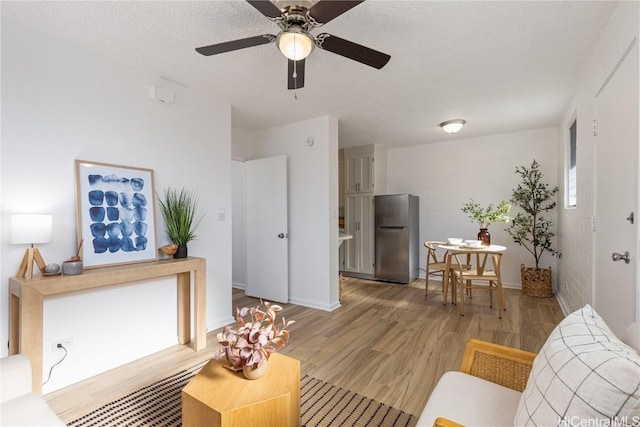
392, 227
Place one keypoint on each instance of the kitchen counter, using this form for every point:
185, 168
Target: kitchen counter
342, 237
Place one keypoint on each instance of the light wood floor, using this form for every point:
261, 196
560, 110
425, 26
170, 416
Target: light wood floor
388, 342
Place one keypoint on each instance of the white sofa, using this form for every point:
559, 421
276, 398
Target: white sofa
19, 405
583, 374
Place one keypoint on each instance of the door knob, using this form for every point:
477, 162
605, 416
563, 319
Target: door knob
617, 257
282, 235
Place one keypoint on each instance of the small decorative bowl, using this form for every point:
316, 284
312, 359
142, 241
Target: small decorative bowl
169, 249
454, 241
473, 243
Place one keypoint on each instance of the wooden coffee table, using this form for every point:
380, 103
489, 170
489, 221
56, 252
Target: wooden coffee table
217, 396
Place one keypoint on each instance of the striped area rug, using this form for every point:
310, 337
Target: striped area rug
322, 405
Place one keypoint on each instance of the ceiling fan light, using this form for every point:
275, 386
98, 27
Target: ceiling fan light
295, 45
452, 126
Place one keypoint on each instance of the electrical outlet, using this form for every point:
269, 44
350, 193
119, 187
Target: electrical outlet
565, 285
66, 343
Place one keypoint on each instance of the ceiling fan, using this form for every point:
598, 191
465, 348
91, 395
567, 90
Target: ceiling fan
296, 19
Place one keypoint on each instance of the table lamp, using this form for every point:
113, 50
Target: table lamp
31, 229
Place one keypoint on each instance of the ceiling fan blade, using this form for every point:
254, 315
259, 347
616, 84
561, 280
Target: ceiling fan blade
266, 8
352, 50
326, 10
295, 74
215, 49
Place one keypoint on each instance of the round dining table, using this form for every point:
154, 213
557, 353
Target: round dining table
453, 249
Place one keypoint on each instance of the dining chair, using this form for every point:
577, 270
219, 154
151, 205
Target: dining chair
469, 279
436, 267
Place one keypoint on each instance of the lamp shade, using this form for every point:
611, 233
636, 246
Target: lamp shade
452, 126
31, 228
295, 45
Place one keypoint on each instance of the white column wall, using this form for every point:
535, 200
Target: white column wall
239, 233
313, 206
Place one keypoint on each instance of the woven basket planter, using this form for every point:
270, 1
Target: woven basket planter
536, 282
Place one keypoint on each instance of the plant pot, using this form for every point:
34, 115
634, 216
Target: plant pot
485, 237
536, 282
252, 373
181, 252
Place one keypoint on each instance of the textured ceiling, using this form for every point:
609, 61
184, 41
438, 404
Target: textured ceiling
503, 66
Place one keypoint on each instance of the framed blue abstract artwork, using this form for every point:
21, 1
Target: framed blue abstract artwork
116, 214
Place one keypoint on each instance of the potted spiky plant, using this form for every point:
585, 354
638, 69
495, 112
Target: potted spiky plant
531, 230
180, 211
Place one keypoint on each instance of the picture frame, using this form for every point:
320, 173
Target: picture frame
115, 211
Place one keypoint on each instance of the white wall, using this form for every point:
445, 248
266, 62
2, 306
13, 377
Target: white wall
239, 227
576, 237
313, 207
241, 144
61, 102
447, 174
241, 150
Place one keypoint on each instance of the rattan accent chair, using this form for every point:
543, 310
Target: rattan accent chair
467, 279
500, 386
506, 366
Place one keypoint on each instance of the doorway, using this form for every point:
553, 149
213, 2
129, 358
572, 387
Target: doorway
615, 290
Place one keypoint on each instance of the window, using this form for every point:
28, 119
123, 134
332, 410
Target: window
571, 193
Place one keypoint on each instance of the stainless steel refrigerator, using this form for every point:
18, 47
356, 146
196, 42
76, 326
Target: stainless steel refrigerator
396, 238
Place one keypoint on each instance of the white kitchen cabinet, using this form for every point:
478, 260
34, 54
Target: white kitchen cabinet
365, 174
359, 251
358, 173
365, 169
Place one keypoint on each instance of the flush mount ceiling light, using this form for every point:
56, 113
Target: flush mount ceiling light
295, 44
452, 126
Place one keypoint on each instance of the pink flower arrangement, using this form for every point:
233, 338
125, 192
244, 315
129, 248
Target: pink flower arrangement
255, 339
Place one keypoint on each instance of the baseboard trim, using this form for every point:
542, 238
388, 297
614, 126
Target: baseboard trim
563, 304
219, 323
311, 304
358, 275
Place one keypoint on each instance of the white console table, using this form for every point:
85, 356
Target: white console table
27, 297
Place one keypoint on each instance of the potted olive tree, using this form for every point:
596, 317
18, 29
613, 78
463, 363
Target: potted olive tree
180, 211
531, 230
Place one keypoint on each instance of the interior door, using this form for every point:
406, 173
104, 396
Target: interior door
267, 245
616, 196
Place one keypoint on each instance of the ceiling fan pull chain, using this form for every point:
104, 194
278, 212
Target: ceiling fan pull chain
295, 79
